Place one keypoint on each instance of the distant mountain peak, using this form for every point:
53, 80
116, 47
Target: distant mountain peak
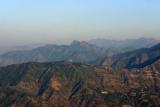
125, 45
76, 42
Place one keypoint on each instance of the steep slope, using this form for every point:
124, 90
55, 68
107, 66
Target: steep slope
135, 59
76, 52
125, 45
60, 82
66, 84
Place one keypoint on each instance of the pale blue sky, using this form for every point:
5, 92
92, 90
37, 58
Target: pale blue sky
61, 21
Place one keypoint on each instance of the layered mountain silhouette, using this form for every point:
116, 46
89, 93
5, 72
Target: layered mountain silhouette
91, 52
66, 84
125, 45
134, 59
80, 75
76, 52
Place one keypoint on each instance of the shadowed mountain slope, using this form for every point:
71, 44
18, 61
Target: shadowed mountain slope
135, 59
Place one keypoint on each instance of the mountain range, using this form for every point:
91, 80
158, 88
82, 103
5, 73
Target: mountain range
125, 45
81, 75
134, 59
67, 84
76, 52
86, 52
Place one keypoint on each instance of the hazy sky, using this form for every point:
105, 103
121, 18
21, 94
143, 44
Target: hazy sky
61, 21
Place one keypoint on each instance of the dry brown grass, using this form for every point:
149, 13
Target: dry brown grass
55, 84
